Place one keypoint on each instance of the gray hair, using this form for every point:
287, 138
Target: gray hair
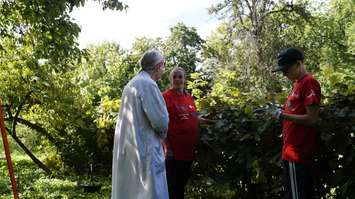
150, 59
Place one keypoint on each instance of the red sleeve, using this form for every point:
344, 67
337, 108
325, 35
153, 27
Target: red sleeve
311, 92
193, 101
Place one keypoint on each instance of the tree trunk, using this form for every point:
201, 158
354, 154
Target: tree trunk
40, 130
29, 153
18, 141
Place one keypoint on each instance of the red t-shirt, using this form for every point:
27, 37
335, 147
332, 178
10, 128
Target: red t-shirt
183, 129
299, 141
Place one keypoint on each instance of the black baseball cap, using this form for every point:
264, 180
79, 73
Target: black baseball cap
287, 57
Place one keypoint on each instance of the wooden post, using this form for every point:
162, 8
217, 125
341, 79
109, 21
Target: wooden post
7, 154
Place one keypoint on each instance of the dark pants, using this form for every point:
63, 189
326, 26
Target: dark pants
298, 181
177, 172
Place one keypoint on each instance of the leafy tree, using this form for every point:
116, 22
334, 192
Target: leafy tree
38, 47
182, 48
101, 79
142, 44
241, 152
329, 37
83, 117
254, 33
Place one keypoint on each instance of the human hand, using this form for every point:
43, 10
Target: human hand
203, 120
169, 154
269, 110
276, 113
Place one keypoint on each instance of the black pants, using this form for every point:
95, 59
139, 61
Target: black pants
178, 173
298, 181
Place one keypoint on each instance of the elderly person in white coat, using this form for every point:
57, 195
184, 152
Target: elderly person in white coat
138, 169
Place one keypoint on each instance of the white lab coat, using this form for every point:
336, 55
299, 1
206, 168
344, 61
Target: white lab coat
138, 167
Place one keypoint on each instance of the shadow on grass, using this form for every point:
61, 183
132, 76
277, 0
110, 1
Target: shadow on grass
33, 183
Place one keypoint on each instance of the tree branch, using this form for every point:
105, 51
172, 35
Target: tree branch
284, 9
29, 153
39, 129
19, 108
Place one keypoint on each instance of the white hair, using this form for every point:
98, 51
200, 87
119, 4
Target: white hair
150, 59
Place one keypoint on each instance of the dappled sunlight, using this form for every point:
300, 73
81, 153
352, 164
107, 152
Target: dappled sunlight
61, 101
34, 183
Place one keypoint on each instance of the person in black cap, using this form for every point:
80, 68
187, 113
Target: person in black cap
300, 115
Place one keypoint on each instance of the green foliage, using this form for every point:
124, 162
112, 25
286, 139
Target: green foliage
252, 36
239, 150
208, 189
33, 183
53, 161
101, 78
38, 51
242, 150
68, 99
338, 82
182, 47
200, 84
141, 45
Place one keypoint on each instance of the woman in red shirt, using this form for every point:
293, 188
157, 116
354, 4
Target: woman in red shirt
183, 133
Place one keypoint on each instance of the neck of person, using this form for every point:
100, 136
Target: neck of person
302, 73
178, 90
153, 74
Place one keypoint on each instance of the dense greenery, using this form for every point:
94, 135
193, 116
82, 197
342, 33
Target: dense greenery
34, 183
61, 102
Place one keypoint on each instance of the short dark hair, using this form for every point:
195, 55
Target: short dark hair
287, 57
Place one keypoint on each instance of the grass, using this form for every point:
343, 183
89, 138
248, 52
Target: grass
33, 183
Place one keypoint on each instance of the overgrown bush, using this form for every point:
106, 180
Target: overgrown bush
240, 154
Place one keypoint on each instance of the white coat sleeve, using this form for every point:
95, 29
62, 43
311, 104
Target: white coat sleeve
155, 109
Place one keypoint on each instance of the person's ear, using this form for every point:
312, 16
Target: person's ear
300, 63
156, 67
